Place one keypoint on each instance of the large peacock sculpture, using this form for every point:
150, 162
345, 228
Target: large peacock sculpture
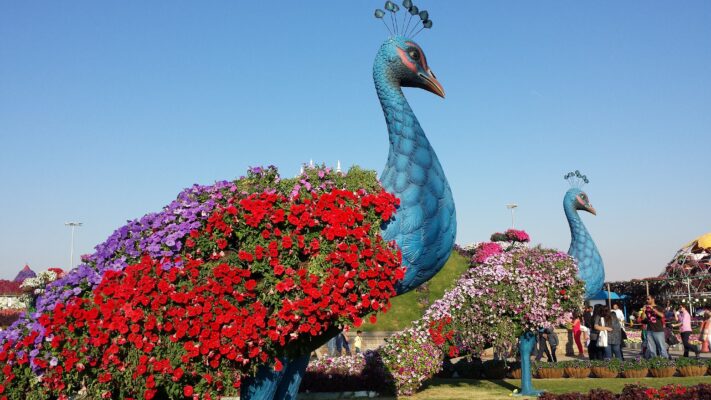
582, 246
230, 287
424, 226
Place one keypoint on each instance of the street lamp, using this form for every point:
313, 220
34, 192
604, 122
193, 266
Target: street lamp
512, 207
73, 225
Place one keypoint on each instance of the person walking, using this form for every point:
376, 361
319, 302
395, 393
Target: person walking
332, 347
619, 314
654, 317
358, 342
588, 317
594, 334
643, 327
543, 346
346, 345
553, 342
705, 332
339, 344
577, 333
685, 331
603, 324
614, 338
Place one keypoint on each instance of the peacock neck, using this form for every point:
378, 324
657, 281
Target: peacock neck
424, 226
578, 231
400, 119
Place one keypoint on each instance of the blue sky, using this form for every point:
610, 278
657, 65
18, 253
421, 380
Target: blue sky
109, 109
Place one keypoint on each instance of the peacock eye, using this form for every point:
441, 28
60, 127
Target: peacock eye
414, 54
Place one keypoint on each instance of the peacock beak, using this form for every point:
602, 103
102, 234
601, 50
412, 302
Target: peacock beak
432, 84
590, 209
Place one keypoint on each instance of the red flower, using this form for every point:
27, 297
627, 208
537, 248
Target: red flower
188, 391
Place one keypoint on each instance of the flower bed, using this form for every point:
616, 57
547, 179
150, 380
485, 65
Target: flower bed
226, 278
668, 392
358, 372
634, 336
8, 316
10, 288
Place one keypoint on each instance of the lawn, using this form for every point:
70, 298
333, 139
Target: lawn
406, 309
456, 389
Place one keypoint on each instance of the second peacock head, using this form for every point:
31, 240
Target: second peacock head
575, 197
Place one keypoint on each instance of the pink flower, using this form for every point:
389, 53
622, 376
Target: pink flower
517, 236
486, 250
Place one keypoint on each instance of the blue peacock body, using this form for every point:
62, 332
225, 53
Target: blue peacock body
425, 224
582, 246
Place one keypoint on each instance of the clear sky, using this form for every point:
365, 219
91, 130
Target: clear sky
109, 109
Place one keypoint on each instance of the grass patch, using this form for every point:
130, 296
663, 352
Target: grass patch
461, 389
406, 309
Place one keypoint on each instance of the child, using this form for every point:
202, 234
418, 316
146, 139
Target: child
358, 342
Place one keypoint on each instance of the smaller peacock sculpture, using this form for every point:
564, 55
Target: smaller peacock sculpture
582, 246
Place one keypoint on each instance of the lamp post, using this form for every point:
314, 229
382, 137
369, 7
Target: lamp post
512, 207
73, 225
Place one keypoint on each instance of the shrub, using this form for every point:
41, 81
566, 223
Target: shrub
689, 362
614, 364
660, 362
634, 364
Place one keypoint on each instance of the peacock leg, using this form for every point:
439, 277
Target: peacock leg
526, 343
264, 385
290, 382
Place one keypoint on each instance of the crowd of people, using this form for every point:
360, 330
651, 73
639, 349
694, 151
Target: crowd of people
602, 331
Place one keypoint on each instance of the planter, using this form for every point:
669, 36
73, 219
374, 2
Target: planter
665, 372
550, 373
635, 373
693, 370
516, 373
602, 372
577, 373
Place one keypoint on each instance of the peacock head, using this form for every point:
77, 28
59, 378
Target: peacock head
404, 64
579, 200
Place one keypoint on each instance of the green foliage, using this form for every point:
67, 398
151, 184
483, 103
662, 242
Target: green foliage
614, 364
538, 365
660, 362
577, 364
635, 364
690, 362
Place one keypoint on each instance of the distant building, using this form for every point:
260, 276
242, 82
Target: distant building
25, 273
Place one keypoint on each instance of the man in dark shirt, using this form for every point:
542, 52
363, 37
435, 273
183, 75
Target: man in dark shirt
654, 318
587, 317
